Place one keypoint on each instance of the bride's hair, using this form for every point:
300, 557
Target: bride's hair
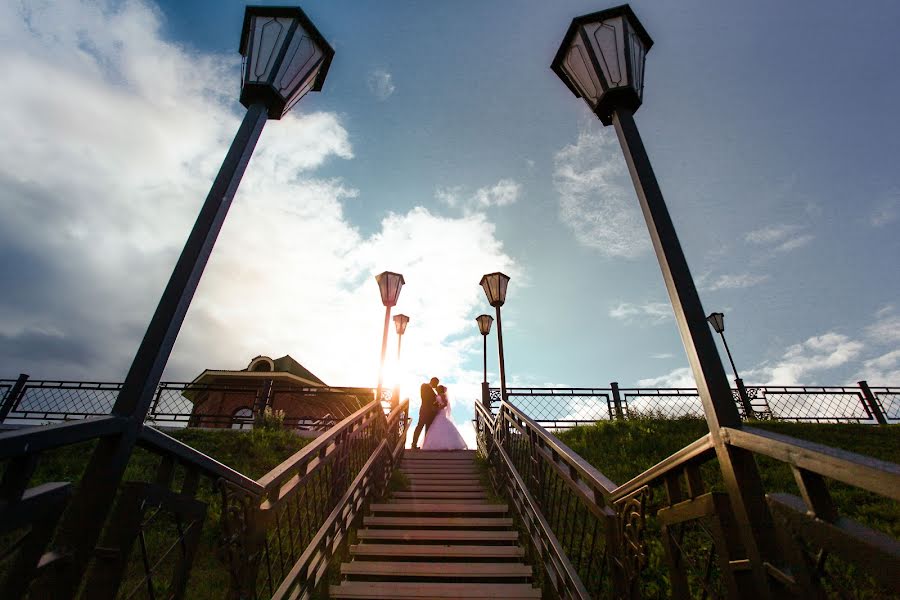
442, 389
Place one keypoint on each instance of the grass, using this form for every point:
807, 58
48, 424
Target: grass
252, 453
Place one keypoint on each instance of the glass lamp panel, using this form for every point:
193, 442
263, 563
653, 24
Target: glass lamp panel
269, 34
577, 66
400, 322
300, 59
389, 285
303, 89
637, 56
484, 323
607, 39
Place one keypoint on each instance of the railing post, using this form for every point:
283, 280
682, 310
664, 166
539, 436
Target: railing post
745, 399
486, 395
871, 403
13, 396
617, 401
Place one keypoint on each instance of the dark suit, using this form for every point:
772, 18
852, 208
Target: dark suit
427, 411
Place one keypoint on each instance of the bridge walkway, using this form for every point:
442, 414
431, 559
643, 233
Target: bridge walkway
441, 538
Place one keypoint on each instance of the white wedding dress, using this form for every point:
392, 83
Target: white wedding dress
442, 434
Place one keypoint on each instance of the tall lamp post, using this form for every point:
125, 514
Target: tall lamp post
389, 284
717, 320
601, 59
284, 57
494, 285
400, 323
484, 326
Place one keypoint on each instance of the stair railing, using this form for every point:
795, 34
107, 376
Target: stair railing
277, 534
596, 539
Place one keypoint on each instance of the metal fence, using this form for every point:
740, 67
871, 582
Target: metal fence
176, 404
561, 408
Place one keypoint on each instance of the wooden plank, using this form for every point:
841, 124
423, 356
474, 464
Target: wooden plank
438, 535
440, 507
447, 495
427, 470
400, 569
439, 455
473, 522
444, 487
428, 591
437, 550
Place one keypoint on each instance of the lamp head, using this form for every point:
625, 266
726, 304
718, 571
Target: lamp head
484, 323
389, 284
717, 320
494, 285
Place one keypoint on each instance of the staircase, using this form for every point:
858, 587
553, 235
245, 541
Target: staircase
442, 538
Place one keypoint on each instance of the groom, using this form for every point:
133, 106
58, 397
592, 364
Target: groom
427, 411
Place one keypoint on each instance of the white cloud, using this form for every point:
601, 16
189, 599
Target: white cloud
502, 193
780, 238
733, 282
649, 312
881, 370
595, 198
806, 362
886, 213
381, 84
886, 328
662, 355
99, 189
677, 378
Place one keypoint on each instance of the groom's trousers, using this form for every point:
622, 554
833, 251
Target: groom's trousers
417, 431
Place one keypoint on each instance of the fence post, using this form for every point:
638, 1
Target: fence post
13, 396
871, 403
617, 401
745, 400
486, 395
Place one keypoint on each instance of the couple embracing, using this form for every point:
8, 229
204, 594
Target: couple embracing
434, 416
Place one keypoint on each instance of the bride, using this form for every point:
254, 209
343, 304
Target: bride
442, 434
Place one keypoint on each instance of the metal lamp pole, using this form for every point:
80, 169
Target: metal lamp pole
400, 323
389, 285
717, 320
484, 327
494, 285
609, 76
88, 510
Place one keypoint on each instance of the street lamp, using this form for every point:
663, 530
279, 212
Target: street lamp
494, 285
717, 320
601, 59
284, 57
389, 284
484, 326
400, 323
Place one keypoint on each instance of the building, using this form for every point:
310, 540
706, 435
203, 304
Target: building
223, 398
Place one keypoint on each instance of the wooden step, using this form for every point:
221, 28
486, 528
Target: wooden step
436, 550
448, 487
437, 535
480, 523
439, 471
440, 507
427, 591
439, 455
442, 479
443, 475
435, 570
441, 495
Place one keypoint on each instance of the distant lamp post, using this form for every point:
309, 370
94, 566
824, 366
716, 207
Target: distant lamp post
389, 284
601, 59
400, 323
284, 57
484, 326
494, 285
717, 320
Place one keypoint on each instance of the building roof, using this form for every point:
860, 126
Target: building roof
284, 369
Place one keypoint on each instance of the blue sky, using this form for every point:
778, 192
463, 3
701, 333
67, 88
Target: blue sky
442, 146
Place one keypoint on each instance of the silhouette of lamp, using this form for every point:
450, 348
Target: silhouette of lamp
601, 60
717, 320
484, 326
389, 285
284, 57
494, 285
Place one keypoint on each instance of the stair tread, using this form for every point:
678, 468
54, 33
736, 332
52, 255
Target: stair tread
409, 522
436, 550
437, 535
427, 591
435, 569
441, 507
444, 494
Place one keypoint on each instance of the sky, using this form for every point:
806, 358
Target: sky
443, 147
